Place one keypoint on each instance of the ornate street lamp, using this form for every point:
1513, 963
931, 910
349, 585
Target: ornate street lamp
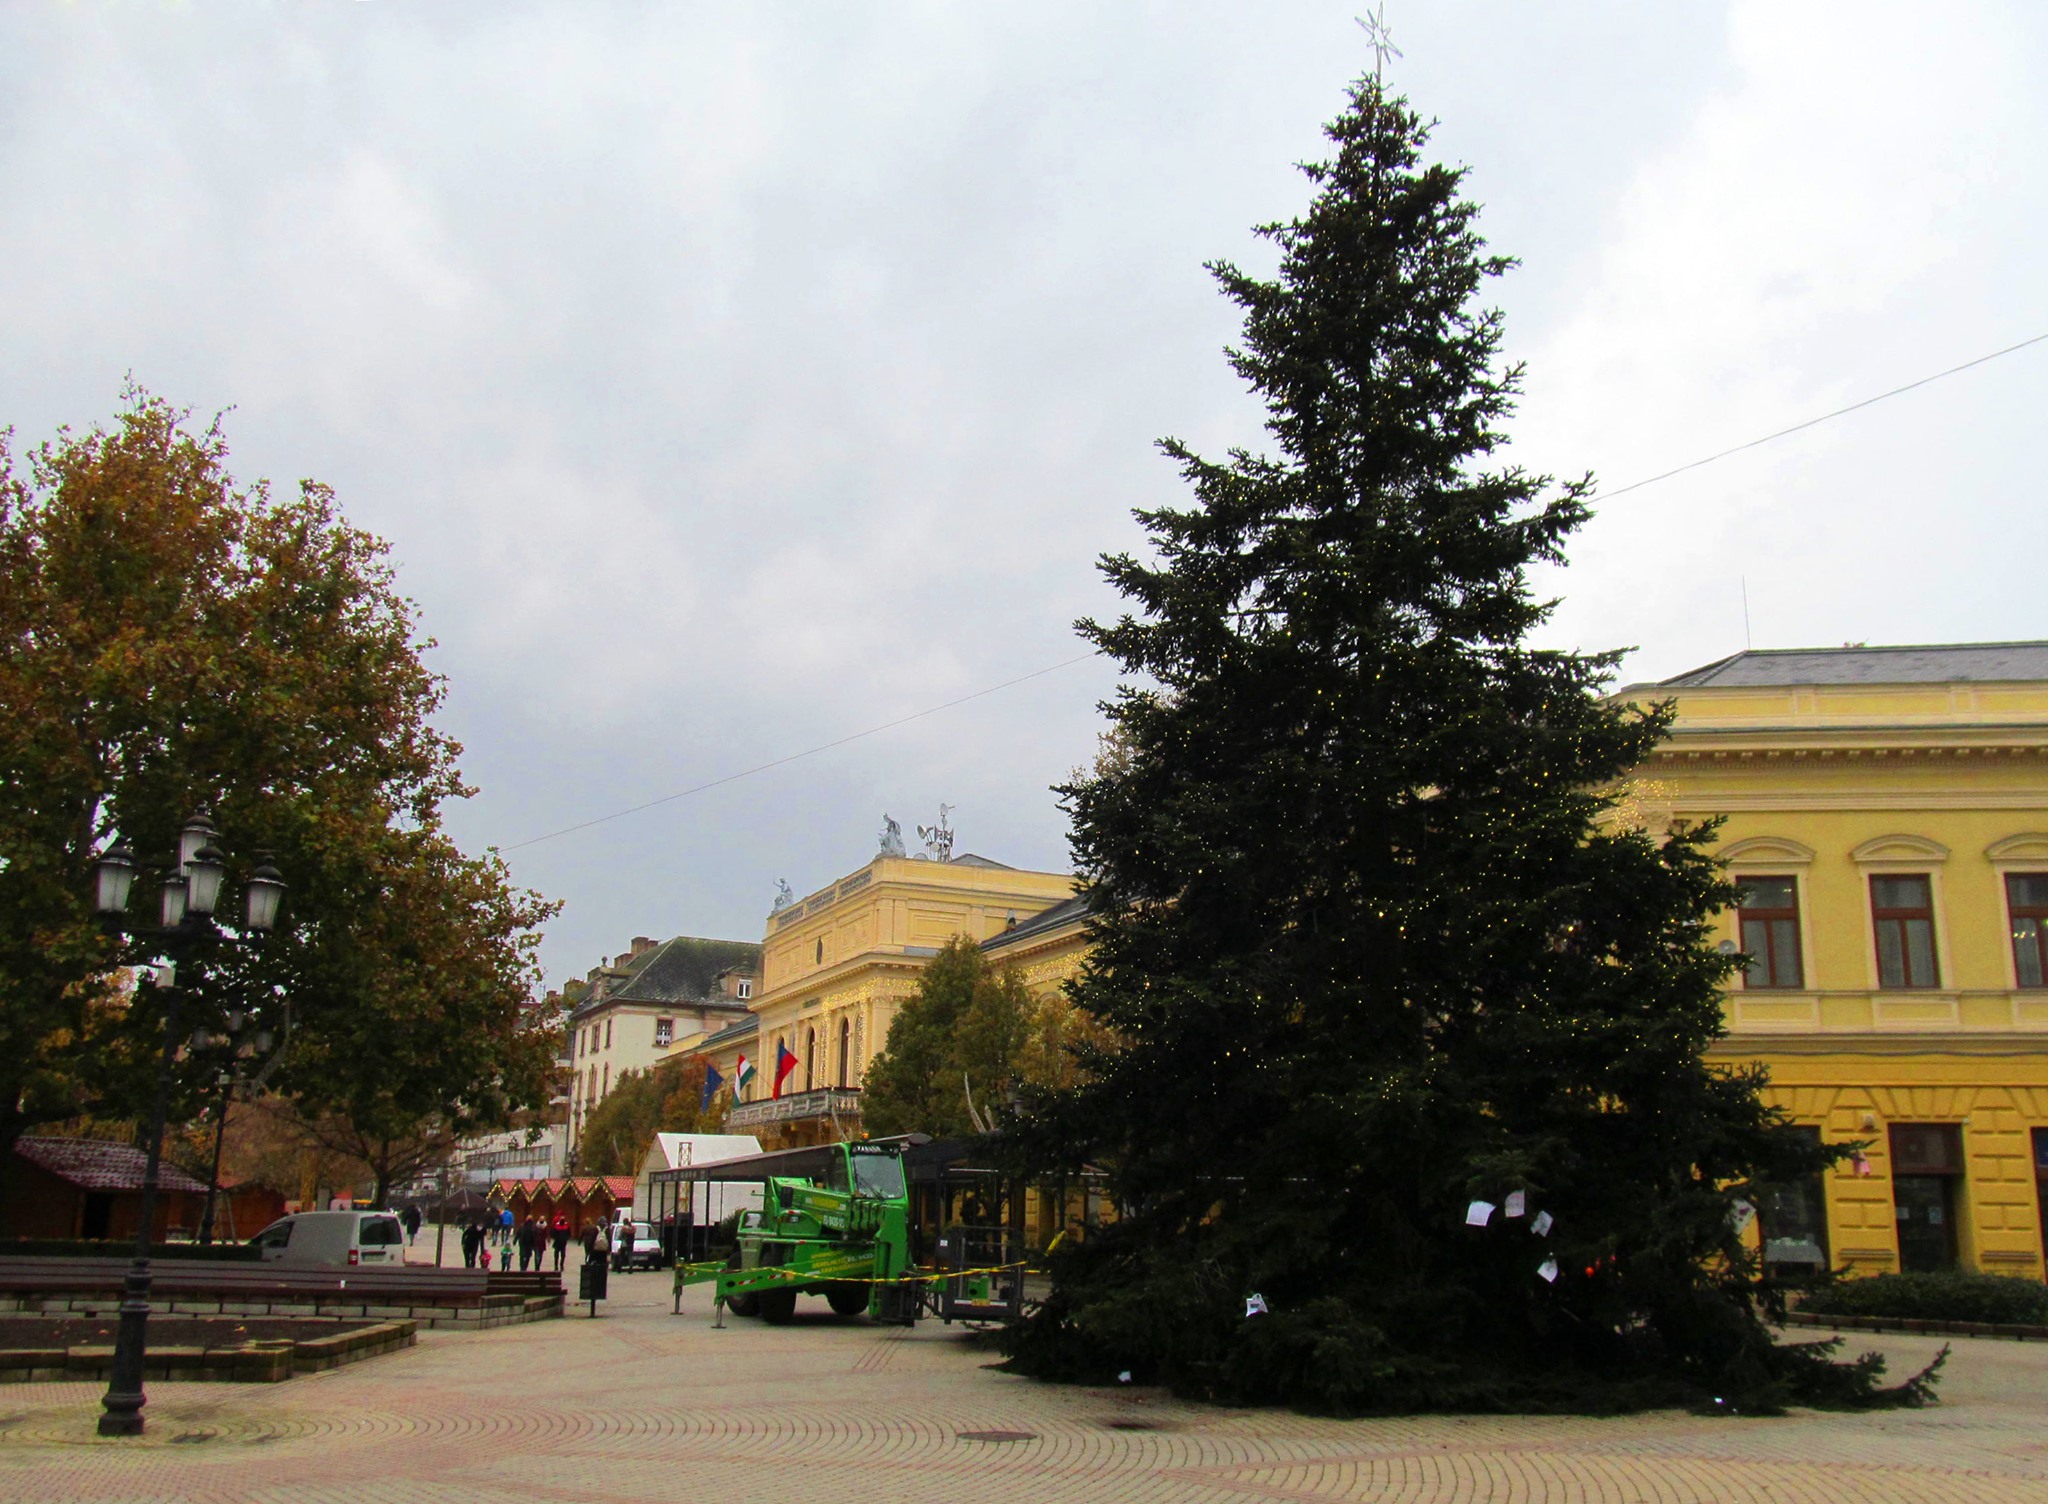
191, 891
246, 1042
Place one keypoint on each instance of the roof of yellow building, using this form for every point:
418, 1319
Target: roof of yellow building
1957, 663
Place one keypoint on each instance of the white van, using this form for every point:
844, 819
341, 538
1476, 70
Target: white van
345, 1239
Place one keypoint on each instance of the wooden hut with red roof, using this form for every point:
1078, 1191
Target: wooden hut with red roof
92, 1188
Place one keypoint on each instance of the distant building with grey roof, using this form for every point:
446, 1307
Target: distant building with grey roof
627, 1012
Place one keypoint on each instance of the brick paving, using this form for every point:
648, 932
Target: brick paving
642, 1405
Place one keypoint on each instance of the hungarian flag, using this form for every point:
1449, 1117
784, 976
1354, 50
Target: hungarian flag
742, 1077
785, 1062
712, 1081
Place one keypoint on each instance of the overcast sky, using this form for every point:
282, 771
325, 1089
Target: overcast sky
732, 378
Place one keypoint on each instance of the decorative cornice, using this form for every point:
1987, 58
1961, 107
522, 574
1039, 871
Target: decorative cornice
2029, 846
1748, 1046
1696, 802
1778, 851
1899, 848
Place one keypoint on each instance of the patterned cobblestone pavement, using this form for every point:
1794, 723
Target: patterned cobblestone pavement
642, 1405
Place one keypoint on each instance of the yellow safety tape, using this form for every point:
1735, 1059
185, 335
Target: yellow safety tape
789, 1276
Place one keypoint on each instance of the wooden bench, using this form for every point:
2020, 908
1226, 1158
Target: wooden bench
431, 1297
531, 1282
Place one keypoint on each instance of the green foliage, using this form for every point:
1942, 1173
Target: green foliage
171, 640
969, 1028
1952, 1296
664, 1099
1369, 941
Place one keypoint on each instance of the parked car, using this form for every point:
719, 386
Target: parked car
634, 1246
337, 1239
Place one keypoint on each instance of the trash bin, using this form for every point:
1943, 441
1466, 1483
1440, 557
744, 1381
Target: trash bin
591, 1281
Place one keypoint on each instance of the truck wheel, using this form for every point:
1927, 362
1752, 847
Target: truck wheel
777, 1306
847, 1300
742, 1305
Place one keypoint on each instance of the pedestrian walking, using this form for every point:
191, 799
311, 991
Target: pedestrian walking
505, 1228
559, 1236
411, 1218
472, 1243
483, 1258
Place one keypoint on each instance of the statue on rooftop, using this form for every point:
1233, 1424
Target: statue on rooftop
783, 897
892, 837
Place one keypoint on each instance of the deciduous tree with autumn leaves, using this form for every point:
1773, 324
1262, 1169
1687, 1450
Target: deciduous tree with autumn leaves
171, 640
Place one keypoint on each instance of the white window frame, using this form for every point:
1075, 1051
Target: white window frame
1776, 856
1907, 856
2026, 853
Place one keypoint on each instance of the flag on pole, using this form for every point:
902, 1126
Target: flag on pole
785, 1062
742, 1077
712, 1081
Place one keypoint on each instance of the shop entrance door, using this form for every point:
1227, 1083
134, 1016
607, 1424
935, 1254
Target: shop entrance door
1926, 1212
1927, 1168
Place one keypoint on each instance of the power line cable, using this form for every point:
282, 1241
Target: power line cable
1812, 422
916, 715
919, 715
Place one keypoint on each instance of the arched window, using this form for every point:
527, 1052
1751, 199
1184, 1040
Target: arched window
845, 1049
810, 1055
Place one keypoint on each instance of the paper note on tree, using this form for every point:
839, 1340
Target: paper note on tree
1478, 1214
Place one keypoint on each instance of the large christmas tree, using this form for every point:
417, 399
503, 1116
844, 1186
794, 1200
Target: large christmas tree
1371, 941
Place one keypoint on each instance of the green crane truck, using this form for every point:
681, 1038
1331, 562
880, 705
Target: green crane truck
833, 1221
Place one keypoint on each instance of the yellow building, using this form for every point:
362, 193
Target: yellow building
834, 967
1887, 820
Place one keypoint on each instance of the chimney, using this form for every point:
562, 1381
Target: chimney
642, 944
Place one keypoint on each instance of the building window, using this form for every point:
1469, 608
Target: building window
607, 1036
810, 1055
664, 1033
1768, 912
1927, 1173
821, 952
746, 988
2041, 1181
1902, 911
845, 1050
2026, 901
1792, 1219
607, 1077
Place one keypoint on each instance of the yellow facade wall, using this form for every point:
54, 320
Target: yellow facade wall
1996, 1100
1832, 785
836, 963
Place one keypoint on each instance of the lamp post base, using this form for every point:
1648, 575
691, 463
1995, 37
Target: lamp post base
122, 1423
124, 1398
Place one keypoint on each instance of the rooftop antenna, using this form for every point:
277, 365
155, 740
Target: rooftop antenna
1379, 38
1746, 644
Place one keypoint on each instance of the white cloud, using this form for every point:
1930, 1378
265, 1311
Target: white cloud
730, 379
1814, 237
